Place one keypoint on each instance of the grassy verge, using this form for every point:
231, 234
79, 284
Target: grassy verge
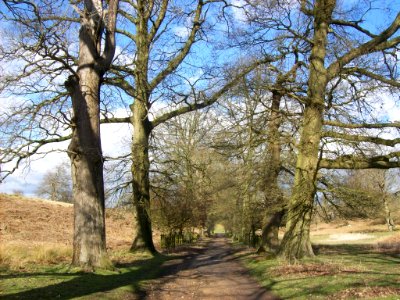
339, 272
58, 281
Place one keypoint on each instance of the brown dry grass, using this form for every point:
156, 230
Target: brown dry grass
389, 245
351, 226
40, 231
19, 256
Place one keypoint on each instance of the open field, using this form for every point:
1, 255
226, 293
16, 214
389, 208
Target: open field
36, 230
355, 232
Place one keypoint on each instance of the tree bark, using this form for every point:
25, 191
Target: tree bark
274, 199
89, 244
296, 241
269, 236
142, 239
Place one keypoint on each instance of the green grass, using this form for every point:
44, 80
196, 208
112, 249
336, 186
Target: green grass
60, 282
347, 272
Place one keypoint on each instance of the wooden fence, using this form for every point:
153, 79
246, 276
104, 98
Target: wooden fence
173, 239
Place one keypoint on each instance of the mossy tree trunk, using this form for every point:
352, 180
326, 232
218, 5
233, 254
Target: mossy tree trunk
269, 236
296, 241
274, 199
142, 239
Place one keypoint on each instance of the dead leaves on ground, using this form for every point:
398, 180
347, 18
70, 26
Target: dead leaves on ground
312, 269
365, 293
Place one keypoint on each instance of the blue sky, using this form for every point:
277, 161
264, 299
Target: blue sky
117, 137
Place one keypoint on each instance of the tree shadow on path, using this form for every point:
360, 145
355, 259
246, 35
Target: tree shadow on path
137, 277
212, 274
132, 275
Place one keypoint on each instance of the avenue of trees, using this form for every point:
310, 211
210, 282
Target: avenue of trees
253, 114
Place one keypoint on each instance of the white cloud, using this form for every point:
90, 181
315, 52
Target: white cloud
116, 139
123, 57
391, 107
181, 31
238, 10
29, 175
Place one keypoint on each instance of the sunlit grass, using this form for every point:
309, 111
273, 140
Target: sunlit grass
43, 281
346, 274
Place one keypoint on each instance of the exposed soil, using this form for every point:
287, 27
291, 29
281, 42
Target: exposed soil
209, 271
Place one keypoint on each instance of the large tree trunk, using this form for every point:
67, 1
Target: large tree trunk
274, 198
269, 236
89, 246
296, 242
143, 239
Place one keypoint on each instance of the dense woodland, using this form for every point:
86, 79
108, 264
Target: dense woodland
253, 114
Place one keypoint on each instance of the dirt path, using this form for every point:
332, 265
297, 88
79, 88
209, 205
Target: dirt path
210, 271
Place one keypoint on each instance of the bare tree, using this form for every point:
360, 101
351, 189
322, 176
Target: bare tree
183, 183
193, 185
363, 193
56, 184
44, 51
85, 147
155, 75
148, 68
323, 70
347, 66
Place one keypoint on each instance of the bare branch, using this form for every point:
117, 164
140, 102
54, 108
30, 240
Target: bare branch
364, 125
378, 43
109, 48
358, 162
214, 97
181, 55
361, 138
